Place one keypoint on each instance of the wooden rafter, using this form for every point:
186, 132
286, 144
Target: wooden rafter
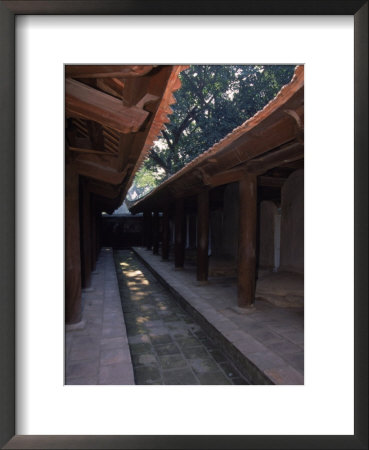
111, 148
90, 151
88, 103
271, 181
112, 86
111, 139
106, 71
227, 176
103, 189
100, 172
287, 153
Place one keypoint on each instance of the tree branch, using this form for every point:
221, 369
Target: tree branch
158, 160
167, 138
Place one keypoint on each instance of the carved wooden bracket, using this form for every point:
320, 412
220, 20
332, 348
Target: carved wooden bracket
299, 124
103, 189
228, 176
292, 151
99, 172
88, 103
146, 99
202, 175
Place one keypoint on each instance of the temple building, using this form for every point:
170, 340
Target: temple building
206, 281
238, 208
113, 115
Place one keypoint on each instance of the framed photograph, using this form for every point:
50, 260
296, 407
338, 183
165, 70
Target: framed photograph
37, 39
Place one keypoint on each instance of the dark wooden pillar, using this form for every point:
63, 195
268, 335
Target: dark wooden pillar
155, 233
146, 225
165, 237
98, 233
149, 230
247, 241
72, 247
86, 236
193, 230
179, 244
203, 235
93, 235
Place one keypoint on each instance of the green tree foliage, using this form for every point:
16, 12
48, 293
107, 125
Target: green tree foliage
145, 180
212, 101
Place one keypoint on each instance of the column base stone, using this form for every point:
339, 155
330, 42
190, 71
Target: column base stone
76, 326
244, 310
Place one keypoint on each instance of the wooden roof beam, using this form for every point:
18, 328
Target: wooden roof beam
112, 133
110, 138
112, 86
287, 153
88, 103
99, 172
91, 151
225, 177
80, 142
271, 181
111, 148
95, 134
103, 189
106, 71
80, 128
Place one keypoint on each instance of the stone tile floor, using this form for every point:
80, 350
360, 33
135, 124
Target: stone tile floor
269, 338
96, 350
166, 345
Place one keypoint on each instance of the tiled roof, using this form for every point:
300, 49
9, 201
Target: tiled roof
286, 93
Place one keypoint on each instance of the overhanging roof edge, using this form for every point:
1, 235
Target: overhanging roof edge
286, 92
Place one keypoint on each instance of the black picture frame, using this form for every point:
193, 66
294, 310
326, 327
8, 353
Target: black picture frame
8, 11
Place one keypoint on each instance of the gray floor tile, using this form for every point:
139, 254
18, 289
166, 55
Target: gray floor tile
81, 369
117, 374
172, 362
112, 356
179, 377
147, 375
167, 349
163, 338
214, 377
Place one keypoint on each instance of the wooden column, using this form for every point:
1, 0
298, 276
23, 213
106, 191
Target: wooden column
247, 241
86, 236
149, 231
193, 230
98, 233
203, 235
165, 237
72, 247
145, 237
155, 233
179, 244
93, 236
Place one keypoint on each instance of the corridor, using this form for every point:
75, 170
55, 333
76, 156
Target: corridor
166, 345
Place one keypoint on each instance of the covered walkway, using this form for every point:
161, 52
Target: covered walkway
241, 201
166, 343
266, 342
97, 349
147, 323
233, 221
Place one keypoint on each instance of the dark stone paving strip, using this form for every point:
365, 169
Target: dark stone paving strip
166, 345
